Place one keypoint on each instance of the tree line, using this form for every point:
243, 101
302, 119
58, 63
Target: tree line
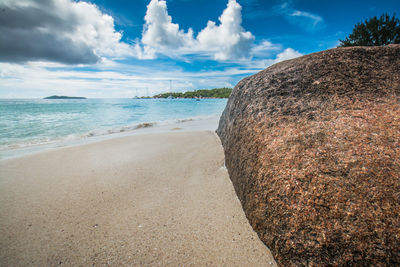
203, 93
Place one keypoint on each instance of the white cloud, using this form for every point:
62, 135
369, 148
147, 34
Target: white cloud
225, 41
144, 52
109, 79
305, 20
97, 30
159, 31
77, 32
264, 48
54, 32
228, 40
315, 18
58, 30
288, 53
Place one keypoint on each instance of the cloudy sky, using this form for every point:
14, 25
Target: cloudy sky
123, 48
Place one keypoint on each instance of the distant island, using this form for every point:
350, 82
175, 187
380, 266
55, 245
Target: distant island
64, 97
204, 93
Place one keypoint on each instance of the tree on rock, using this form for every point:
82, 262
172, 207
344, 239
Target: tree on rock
374, 32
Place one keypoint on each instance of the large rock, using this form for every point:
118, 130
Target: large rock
312, 147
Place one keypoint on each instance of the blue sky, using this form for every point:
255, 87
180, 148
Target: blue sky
123, 48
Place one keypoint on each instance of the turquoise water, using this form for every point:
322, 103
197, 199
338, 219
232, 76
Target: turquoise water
38, 121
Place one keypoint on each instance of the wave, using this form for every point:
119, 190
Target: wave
76, 137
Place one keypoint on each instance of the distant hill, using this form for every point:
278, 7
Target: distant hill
64, 97
204, 93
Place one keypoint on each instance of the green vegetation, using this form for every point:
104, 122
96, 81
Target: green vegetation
64, 97
204, 93
374, 32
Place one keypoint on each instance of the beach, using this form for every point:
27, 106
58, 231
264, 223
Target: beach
150, 199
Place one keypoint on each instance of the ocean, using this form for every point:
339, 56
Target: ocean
26, 123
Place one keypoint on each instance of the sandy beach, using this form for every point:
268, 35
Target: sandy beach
156, 199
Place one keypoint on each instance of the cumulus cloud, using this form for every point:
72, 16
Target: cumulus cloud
227, 40
287, 54
57, 30
264, 48
77, 32
223, 41
159, 31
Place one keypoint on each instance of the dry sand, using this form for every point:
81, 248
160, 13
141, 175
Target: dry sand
161, 199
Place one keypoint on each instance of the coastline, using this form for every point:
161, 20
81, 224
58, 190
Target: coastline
201, 123
159, 198
32, 125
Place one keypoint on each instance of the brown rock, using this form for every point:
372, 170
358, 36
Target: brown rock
312, 146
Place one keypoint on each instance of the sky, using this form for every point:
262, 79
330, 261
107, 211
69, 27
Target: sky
127, 48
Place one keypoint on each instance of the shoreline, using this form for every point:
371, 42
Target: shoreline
156, 199
200, 123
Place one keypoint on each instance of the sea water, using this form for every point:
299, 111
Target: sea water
33, 122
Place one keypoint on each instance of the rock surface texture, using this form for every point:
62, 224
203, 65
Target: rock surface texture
312, 146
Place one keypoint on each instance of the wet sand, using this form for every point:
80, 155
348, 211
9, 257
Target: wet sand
157, 199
